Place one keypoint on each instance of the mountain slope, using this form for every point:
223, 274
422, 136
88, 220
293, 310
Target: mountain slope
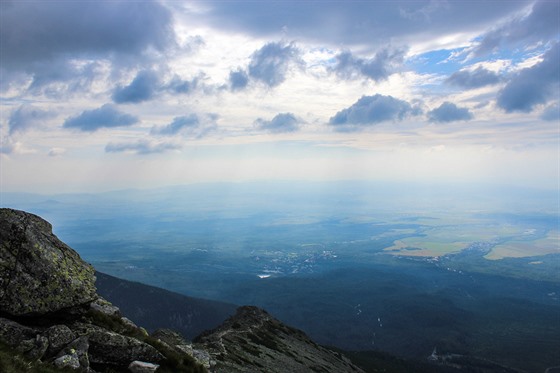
155, 308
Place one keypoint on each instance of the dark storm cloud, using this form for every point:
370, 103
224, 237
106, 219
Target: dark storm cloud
25, 117
362, 23
551, 113
142, 147
283, 122
379, 67
271, 63
142, 88
534, 85
178, 124
540, 24
473, 79
105, 116
373, 109
449, 112
32, 32
238, 79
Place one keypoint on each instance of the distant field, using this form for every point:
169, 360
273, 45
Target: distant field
423, 246
442, 236
518, 249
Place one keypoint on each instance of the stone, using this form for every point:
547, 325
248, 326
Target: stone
203, 358
13, 333
39, 274
106, 347
34, 349
128, 322
104, 306
79, 347
59, 336
67, 361
142, 367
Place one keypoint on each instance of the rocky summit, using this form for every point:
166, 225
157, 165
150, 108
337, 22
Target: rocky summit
254, 341
52, 319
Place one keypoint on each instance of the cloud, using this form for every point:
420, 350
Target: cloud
551, 113
178, 85
449, 112
70, 75
56, 152
178, 124
283, 122
9, 146
142, 147
271, 63
142, 88
373, 109
379, 67
35, 32
238, 79
537, 26
534, 85
359, 23
25, 117
471, 79
424, 13
191, 125
105, 116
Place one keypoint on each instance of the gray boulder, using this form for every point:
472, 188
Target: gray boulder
35, 348
110, 348
13, 333
69, 361
78, 347
59, 336
104, 306
39, 274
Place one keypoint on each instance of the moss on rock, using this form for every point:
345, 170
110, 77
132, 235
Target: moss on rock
39, 273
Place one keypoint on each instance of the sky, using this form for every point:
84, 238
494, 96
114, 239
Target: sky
105, 95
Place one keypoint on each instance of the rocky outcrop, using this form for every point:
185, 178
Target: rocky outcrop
39, 274
254, 341
50, 311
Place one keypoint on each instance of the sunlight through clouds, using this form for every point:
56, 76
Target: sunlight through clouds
198, 79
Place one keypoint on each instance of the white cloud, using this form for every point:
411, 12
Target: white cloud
56, 152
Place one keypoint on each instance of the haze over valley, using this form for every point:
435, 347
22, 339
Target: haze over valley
356, 265
383, 175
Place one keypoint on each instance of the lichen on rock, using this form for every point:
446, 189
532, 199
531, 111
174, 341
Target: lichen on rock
39, 274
